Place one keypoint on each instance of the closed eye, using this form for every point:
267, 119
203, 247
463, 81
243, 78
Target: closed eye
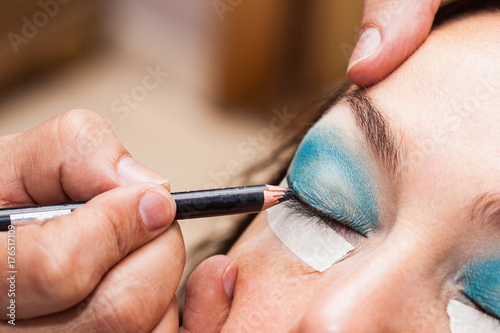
481, 285
475, 305
304, 210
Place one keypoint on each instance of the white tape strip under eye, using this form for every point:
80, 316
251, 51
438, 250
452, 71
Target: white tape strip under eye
466, 319
313, 242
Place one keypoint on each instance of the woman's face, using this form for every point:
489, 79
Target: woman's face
413, 191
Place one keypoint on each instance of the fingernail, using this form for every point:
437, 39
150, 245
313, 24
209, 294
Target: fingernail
229, 279
132, 171
157, 209
368, 43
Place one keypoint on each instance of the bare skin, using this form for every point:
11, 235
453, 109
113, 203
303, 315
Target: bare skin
102, 267
394, 30
442, 106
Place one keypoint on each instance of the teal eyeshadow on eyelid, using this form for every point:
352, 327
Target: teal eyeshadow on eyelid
334, 179
482, 285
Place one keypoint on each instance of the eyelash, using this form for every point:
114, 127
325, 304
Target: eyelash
470, 302
302, 209
475, 303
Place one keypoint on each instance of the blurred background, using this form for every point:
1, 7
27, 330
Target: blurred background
197, 90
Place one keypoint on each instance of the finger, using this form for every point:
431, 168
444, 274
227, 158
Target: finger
170, 321
73, 156
390, 32
137, 295
208, 296
134, 296
63, 260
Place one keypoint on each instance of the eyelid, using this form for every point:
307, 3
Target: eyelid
480, 285
303, 209
464, 299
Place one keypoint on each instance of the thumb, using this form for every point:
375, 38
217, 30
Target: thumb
65, 259
390, 32
208, 295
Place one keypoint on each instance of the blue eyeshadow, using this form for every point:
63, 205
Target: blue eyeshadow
334, 179
482, 285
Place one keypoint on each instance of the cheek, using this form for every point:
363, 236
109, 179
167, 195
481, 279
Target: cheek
273, 287
258, 251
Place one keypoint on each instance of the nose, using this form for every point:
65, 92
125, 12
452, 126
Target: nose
386, 291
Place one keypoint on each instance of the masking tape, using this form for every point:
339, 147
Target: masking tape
466, 319
311, 240
320, 247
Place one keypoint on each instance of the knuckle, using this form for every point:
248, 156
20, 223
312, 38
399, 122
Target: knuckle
59, 280
84, 131
118, 235
118, 311
73, 120
84, 113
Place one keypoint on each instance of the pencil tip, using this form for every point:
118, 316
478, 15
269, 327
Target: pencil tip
289, 194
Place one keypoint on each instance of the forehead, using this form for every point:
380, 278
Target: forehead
445, 100
443, 105
455, 74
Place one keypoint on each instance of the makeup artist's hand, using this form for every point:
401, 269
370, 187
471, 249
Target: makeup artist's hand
390, 32
112, 265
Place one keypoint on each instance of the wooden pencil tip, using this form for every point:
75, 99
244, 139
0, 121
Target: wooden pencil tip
275, 195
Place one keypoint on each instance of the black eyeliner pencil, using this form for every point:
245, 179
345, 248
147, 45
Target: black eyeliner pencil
193, 204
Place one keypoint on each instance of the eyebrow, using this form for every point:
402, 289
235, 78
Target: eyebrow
376, 129
485, 210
